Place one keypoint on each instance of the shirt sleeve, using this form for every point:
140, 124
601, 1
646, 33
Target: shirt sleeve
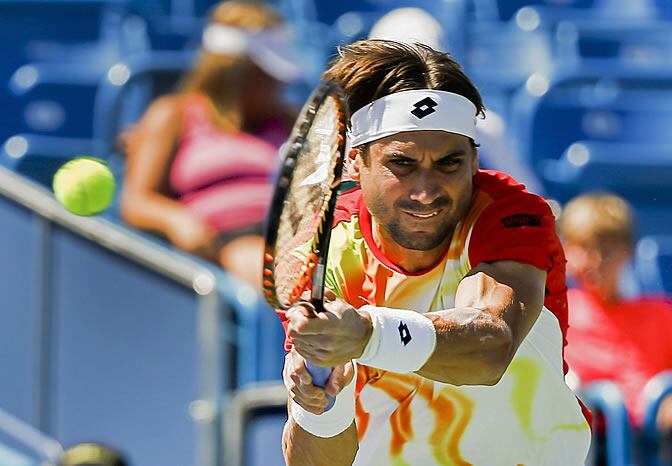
518, 227
283, 318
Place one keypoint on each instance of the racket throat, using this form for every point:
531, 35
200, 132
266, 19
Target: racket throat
317, 290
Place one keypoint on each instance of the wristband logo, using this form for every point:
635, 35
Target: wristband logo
424, 107
404, 333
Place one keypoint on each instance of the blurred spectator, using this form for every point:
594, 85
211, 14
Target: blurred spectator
200, 161
409, 25
496, 150
91, 454
626, 341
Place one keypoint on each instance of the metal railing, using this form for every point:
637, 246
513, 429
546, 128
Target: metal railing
216, 301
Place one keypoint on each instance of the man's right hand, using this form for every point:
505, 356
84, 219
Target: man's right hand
299, 383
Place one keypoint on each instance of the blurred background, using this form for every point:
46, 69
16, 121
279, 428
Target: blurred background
148, 338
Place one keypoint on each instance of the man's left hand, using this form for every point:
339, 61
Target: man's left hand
333, 337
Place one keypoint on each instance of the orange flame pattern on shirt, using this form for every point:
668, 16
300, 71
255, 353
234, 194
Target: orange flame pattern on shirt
452, 410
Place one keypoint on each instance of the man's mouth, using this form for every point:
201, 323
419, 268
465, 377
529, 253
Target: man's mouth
423, 215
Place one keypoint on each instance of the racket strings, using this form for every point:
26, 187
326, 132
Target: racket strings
307, 201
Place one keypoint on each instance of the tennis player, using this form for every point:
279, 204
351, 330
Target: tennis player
447, 315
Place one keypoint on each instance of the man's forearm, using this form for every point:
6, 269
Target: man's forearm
472, 348
495, 307
301, 448
465, 346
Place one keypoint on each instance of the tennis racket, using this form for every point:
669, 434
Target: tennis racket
302, 211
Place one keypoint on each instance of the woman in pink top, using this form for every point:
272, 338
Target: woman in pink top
201, 161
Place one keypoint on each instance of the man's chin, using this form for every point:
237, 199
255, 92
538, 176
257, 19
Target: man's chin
419, 241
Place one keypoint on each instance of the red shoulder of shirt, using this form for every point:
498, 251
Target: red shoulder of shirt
516, 225
347, 205
519, 226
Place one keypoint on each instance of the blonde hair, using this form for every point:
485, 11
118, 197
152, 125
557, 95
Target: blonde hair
598, 216
220, 77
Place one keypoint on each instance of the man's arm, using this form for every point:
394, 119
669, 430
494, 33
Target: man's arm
496, 305
303, 449
300, 447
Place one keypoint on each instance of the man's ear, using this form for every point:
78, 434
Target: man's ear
352, 160
475, 163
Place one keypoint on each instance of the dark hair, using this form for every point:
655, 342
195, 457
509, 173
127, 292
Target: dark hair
370, 69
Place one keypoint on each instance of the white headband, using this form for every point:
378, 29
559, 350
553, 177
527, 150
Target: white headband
270, 49
414, 110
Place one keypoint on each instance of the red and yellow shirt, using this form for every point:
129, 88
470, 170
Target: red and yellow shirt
530, 417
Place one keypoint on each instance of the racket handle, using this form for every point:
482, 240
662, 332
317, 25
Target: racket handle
320, 377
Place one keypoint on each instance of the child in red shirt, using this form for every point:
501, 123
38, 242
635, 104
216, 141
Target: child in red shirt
626, 341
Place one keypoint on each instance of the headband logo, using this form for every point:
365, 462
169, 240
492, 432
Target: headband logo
424, 107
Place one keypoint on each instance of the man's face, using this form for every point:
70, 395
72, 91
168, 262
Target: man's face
418, 185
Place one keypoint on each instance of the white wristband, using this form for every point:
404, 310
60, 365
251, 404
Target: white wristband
402, 341
332, 422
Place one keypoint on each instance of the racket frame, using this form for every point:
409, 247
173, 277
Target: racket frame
314, 270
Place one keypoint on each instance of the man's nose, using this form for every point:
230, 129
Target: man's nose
425, 189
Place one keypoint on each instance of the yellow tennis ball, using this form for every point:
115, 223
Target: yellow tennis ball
84, 186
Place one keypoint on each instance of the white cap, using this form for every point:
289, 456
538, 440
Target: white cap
409, 25
270, 49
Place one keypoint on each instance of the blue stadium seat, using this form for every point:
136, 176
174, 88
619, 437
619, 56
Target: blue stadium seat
38, 157
596, 165
504, 10
664, 8
599, 103
52, 99
601, 165
115, 100
38, 26
120, 103
653, 264
553, 11
624, 42
171, 8
61, 31
60, 51
253, 426
655, 390
501, 57
171, 25
605, 399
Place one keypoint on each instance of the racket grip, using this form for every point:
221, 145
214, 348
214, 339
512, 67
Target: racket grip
320, 377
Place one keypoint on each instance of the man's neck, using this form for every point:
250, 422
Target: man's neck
410, 260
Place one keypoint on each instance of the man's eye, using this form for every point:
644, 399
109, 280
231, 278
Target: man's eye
450, 162
402, 162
